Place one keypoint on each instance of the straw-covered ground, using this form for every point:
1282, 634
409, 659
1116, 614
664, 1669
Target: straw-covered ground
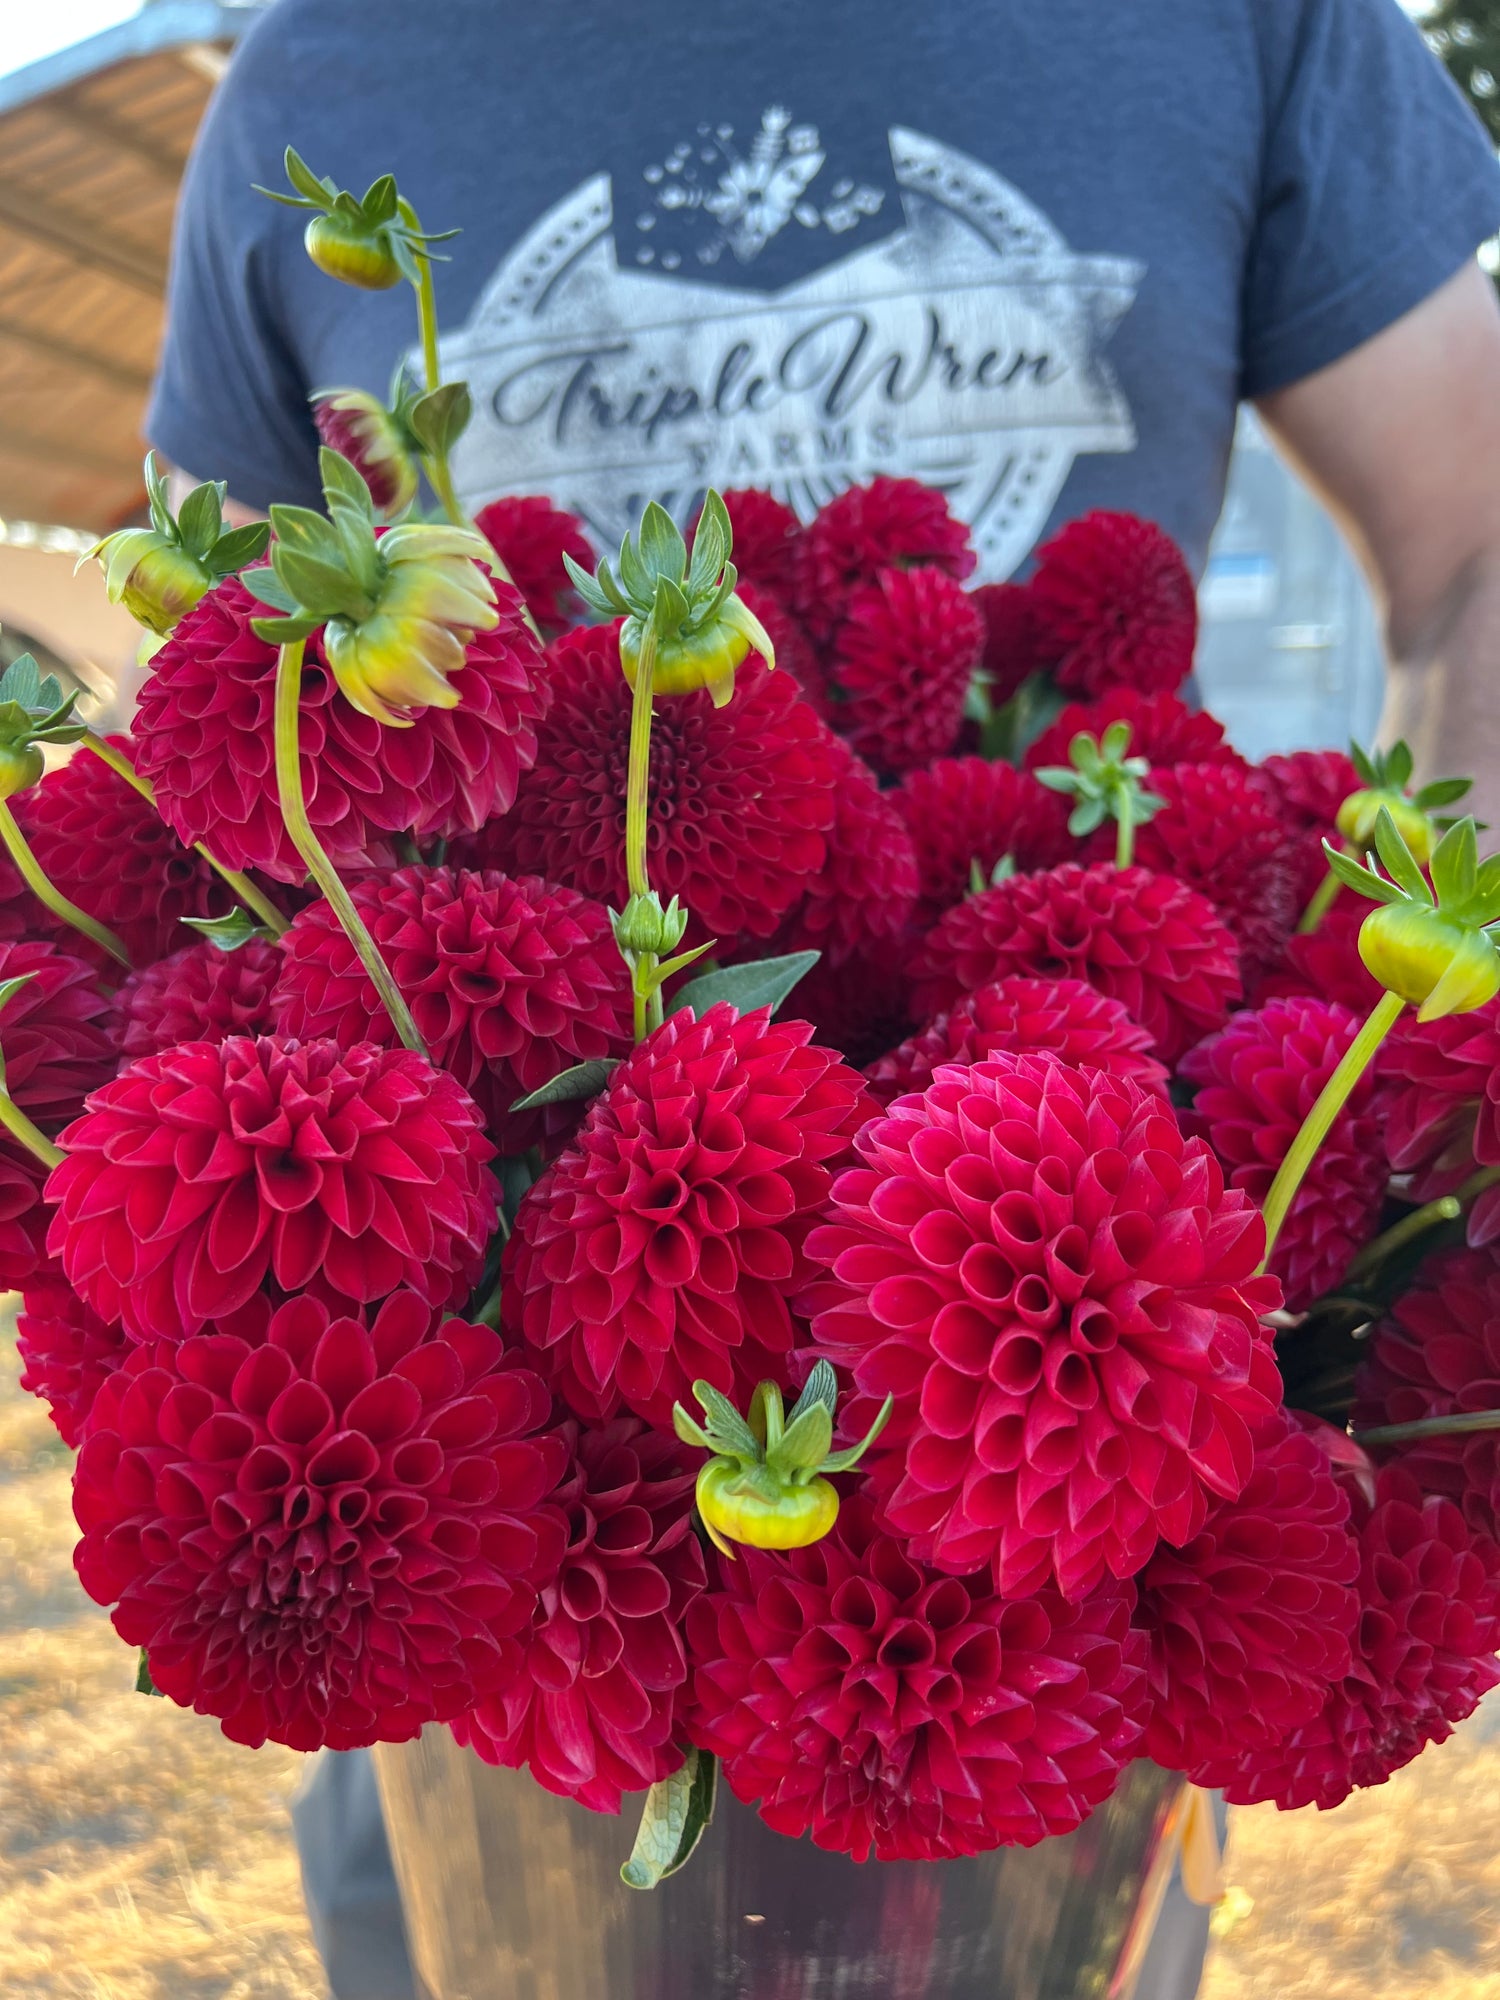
144, 1858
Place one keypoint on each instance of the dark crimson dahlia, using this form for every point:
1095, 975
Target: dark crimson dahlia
665, 1244
855, 1695
1429, 1623
1441, 1105
66, 1351
767, 536
741, 803
1010, 638
1115, 606
331, 1534
1257, 1082
1060, 1017
210, 1172
595, 1710
889, 524
1163, 729
862, 1008
903, 661
967, 810
199, 994
1145, 939
1326, 962
793, 649
531, 537
1062, 1297
509, 982
1250, 1624
1308, 787
204, 739
865, 895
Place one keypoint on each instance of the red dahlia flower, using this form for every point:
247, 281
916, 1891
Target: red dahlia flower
857, 1696
332, 1534
1441, 1104
1429, 1623
1250, 1623
664, 1245
531, 537
1010, 638
1326, 962
210, 1172
1115, 605
1146, 940
66, 1352
205, 742
595, 1711
862, 1008
1437, 1354
1257, 1081
963, 810
1062, 1297
767, 535
1163, 730
866, 892
794, 650
1307, 788
1060, 1017
904, 658
889, 524
741, 803
509, 983
201, 994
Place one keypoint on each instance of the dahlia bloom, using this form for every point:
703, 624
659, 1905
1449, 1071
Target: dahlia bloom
66, 1352
1061, 1295
1115, 605
1250, 1624
867, 889
963, 810
200, 994
328, 1532
862, 1008
742, 797
665, 1244
855, 1695
204, 739
1144, 939
360, 428
1257, 1081
1010, 638
1307, 788
210, 1172
1441, 1104
531, 537
1060, 1017
889, 524
1326, 962
595, 1709
508, 982
905, 655
1163, 730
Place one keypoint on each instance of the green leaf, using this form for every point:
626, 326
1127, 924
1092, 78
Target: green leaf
725, 1424
845, 1461
1442, 792
340, 480
439, 419
304, 532
229, 932
712, 540
1400, 862
1455, 865
637, 582
143, 1681
822, 1386
1398, 766
804, 1443
674, 1819
662, 549
238, 546
201, 519
1087, 816
268, 587
22, 682
1363, 881
1364, 770
1115, 741
305, 181
1057, 778
589, 589
11, 987
379, 204
765, 982
325, 588
283, 631
571, 1086
689, 1429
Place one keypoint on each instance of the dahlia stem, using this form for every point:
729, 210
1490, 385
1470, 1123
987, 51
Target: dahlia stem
1319, 1121
1462, 1423
1125, 838
253, 898
21, 1129
1448, 1209
638, 770
1322, 901
307, 844
35, 878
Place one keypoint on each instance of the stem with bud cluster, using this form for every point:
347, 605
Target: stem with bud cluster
36, 879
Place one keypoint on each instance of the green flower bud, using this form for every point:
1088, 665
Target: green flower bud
644, 926
21, 767
1359, 812
154, 580
1440, 966
370, 240
346, 248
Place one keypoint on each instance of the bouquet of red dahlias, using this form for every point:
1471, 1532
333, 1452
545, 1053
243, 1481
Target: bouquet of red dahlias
747, 1157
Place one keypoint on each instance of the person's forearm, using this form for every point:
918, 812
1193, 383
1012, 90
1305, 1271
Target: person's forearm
1443, 689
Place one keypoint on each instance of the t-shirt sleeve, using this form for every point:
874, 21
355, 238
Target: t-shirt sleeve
1379, 183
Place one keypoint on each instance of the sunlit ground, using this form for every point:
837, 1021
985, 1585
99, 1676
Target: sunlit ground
144, 1858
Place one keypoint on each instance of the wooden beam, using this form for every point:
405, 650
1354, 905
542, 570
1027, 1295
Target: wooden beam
76, 238
136, 381
62, 451
99, 124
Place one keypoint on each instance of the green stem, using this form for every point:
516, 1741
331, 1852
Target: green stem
253, 898
35, 878
1323, 899
1475, 1185
307, 844
1125, 838
1447, 1209
1461, 1424
20, 1128
1319, 1121
638, 771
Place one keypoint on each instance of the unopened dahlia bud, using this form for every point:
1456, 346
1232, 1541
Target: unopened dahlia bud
370, 241
159, 572
644, 926
1386, 775
375, 442
33, 711
21, 767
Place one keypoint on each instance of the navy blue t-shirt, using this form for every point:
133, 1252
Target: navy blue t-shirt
1033, 254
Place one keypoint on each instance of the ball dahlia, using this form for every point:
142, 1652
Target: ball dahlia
1250, 1624
1010, 638
1257, 1081
1060, 1017
331, 1534
867, 890
665, 1244
1307, 788
204, 738
862, 1008
205, 1174
742, 797
531, 537
1442, 1107
889, 524
1163, 729
1325, 962
855, 1695
1061, 1295
200, 994
595, 1708
905, 655
1146, 940
508, 982
963, 810
767, 536
1115, 605
66, 1351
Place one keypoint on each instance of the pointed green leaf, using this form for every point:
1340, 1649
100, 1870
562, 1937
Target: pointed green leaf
1057, 778
637, 582
845, 1461
1442, 792
765, 982
304, 180
725, 1423
1363, 881
592, 592
1115, 741
379, 203
977, 882
340, 479
821, 1386
689, 1429
712, 539
1087, 816
1400, 862
1364, 770
267, 586
227, 933
143, 1681
283, 631
22, 682
674, 1818
1083, 752
662, 549
1487, 882
804, 1443
669, 607
307, 533
11, 987
439, 419
325, 588
1455, 865
572, 1086
238, 546
201, 519
1398, 766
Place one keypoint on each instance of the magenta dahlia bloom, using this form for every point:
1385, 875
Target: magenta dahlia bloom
1163, 729
508, 982
890, 524
855, 1695
595, 1711
967, 810
1115, 606
862, 1008
200, 994
1257, 1081
867, 890
1250, 1624
1144, 939
331, 1535
1429, 1623
66, 1352
531, 537
1441, 1107
903, 661
210, 1172
1307, 788
665, 1244
1010, 638
1326, 962
1061, 1295
204, 739
1060, 1017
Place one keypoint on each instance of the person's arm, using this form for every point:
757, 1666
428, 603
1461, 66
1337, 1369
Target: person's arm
1401, 438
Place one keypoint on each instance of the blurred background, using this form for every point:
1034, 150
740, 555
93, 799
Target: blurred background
141, 1856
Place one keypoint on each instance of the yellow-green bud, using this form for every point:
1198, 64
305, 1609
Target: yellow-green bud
1440, 966
155, 580
705, 658
1359, 812
21, 767
345, 247
435, 591
644, 926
